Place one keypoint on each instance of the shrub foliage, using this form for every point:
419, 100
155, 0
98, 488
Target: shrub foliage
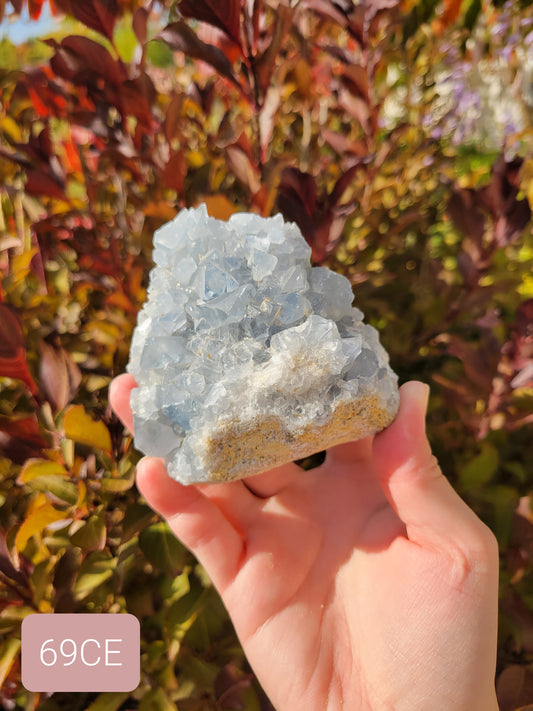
352, 119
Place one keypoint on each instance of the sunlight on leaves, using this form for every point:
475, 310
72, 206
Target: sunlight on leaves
80, 427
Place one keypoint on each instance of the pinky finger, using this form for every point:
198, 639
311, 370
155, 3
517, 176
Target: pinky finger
196, 520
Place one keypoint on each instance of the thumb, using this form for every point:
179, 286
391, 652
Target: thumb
411, 478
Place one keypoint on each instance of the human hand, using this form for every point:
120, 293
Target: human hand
363, 584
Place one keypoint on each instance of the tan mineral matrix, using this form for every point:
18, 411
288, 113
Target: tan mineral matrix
246, 356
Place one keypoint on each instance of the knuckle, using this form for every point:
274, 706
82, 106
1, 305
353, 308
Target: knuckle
474, 559
433, 470
426, 471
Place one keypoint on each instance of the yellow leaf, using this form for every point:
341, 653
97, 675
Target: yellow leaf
160, 209
36, 522
8, 653
219, 206
80, 427
11, 128
21, 265
82, 495
119, 299
103, 332
530, 194
40, 467
303, 78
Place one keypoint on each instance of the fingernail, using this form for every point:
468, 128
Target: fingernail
420, 394
423, 396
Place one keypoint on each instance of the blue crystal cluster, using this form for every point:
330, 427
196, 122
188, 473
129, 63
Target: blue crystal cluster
238, 329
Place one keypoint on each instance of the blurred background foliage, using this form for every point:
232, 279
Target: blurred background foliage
396, 133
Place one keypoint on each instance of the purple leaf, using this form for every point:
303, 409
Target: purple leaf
99, 15
224, 15
179, 36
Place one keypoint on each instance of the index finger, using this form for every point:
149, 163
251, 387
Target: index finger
119, 398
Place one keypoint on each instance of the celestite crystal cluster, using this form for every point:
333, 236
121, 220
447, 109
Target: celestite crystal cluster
247, 357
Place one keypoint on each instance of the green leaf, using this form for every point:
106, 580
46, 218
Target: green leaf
92, 535
202, 671
124, 39
472, 14
137, 517
140, 602
180, 617
480, 470
117, 485
156, 700
175, 588
109, 701
250, 700
42, 578
159, 54
59, 486
504, 500
11, 618
95, 570
162, 549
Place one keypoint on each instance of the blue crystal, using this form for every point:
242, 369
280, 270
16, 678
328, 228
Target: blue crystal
239, 329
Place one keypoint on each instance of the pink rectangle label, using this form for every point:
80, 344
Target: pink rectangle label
80, 652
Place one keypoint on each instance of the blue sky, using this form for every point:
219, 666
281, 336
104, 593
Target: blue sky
23, 28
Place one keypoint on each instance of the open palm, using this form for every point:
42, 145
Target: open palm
365, 583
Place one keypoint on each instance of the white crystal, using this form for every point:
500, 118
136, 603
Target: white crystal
245, 356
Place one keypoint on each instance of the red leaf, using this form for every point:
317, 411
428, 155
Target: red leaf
519, 349
243, 168
46, 147
267, 60
180, 37
499, 200
39, 148
224, 15
353, 16
12, 349
59, 376
34, 8
47, 96
267, 118
21, 439
42, 183
61, 7
7, 564
84, 61
297, 199
465, 211
140, 23
320, 220
343, 182
175, 172
302, 186
172, 116
231, 685
515, 688
355, 78
99, 15
136, 99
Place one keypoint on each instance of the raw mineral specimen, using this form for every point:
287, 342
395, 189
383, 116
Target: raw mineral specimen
247, 357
